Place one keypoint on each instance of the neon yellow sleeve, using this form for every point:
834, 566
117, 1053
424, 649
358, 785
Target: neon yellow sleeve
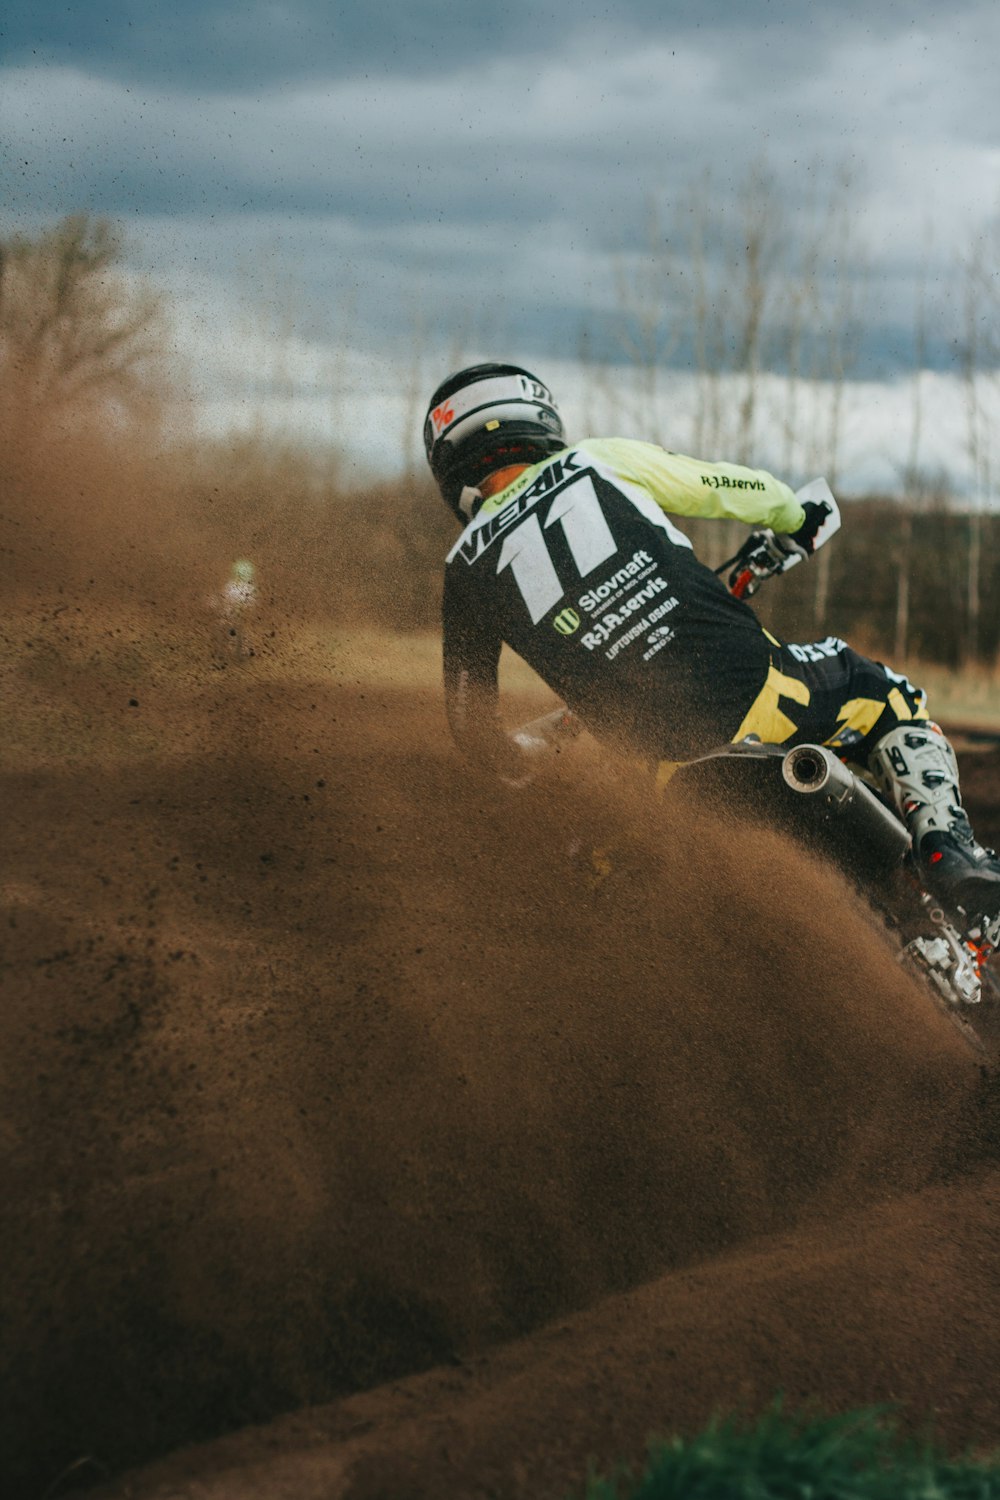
689, 487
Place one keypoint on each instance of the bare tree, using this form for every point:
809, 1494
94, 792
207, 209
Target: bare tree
840, 325
757, 269
978, 352
708, 314
735, 251
799, 305
646, 328
74, 329
912, 480
736, 281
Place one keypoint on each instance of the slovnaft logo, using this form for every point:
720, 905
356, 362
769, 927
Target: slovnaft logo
567, 622
596, 597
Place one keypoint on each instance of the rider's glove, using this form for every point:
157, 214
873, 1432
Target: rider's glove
518, 766
534, 743
802, 543
531, 745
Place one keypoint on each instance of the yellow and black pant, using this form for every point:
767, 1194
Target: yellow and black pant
826, 693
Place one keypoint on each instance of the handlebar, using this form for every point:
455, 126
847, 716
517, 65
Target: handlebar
760, 557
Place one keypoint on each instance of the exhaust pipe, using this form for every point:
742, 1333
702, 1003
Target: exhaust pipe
871, 836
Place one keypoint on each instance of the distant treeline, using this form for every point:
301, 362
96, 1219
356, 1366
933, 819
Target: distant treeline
894, 581
98, 511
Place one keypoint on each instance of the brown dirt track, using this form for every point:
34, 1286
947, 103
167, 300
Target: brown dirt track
321, 1066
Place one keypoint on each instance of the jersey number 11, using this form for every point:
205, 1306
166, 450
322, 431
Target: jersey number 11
588, 537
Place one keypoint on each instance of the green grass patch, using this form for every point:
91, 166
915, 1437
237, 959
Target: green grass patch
786, 1456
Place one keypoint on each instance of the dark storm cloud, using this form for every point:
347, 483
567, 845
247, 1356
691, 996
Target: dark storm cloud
208, 45
495, 159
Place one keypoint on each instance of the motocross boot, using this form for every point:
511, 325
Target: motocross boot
915, 767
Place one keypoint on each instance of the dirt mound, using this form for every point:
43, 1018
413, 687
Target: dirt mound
323, 1065
899, 1304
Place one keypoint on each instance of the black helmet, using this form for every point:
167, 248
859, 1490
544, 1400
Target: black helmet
482, 419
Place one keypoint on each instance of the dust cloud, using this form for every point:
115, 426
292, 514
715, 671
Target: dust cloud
324, 1061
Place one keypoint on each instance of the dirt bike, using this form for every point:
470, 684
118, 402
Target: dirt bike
810, 793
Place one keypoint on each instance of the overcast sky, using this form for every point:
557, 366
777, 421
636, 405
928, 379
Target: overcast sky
467, 178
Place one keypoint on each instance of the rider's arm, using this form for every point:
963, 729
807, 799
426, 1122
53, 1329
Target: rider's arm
688, 487
471, 689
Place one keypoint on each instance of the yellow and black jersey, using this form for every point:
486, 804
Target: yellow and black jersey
579, 568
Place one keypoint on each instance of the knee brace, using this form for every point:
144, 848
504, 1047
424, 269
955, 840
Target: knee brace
915, 767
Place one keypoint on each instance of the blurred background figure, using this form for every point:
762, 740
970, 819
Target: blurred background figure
236, 604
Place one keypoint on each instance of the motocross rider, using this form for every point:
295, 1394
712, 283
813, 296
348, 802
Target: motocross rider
571, 555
